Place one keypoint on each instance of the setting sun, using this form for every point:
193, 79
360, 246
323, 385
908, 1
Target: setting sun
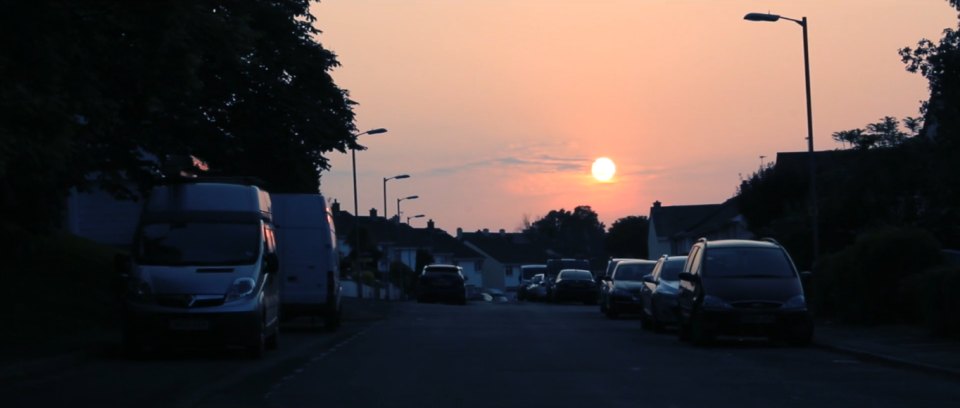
603, 169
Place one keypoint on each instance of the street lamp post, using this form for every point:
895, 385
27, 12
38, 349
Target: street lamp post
415, 216
413, 197
814, 207
385, 179
356, 215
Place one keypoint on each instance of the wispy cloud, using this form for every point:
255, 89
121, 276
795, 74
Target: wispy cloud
537, 164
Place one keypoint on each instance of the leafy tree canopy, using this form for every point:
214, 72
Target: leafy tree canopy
627, 237
106, 91
577, 233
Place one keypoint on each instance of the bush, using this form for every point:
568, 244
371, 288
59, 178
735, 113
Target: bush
59, 284
870, 282
937, 300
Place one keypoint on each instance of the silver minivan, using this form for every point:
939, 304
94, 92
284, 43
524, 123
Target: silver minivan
203, 269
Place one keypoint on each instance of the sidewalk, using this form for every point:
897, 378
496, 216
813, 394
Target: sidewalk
900, 346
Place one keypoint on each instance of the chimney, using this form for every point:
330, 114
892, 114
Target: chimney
486, 232
459, 233
373, 213
335, 207
503, 232
430, 224
656, 204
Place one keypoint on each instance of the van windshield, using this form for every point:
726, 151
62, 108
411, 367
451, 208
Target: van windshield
198, 243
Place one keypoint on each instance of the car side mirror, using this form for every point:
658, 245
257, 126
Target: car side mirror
806, 277
686, 276
649, 278
271, 263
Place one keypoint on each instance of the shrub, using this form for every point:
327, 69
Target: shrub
867, 282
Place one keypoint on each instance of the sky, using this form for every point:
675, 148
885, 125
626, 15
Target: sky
498, 108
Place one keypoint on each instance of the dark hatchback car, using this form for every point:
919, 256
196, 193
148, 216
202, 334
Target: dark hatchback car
742, 288
620, 292
442, 283
527, 272
574, 285
659, 293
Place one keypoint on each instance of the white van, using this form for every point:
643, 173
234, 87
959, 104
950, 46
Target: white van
310, 279
204, 269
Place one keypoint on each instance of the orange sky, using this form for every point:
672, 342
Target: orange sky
497, 108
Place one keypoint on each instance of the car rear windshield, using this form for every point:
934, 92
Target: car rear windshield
441, 269
632, 271
575, 274
529, 272
747, 263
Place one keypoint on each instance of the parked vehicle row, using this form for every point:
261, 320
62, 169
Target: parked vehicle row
220, 263
723, 287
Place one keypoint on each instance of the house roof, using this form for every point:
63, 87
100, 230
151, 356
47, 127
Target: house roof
383, 231
721, 217
668, 221
508, 248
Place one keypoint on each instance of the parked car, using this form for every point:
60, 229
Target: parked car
659, 293
537, 289
496, 295
527, 272
442, 283
620, 292
574, 284
742, 287
554, 266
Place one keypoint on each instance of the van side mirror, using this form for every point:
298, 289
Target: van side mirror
271, 263
649, 278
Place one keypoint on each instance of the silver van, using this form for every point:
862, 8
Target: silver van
204, 269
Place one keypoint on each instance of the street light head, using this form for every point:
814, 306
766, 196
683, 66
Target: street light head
402, 176
412, 198
376, 131
761, 17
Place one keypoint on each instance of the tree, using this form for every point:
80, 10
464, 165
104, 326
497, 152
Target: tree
884, 133
939, 63
576, 234
104, 92
627, 237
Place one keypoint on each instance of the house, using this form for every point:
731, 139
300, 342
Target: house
503, 254
674, 229
398, 242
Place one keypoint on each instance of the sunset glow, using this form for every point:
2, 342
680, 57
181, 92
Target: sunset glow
507, 102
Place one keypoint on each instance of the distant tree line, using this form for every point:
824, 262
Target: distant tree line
106, 93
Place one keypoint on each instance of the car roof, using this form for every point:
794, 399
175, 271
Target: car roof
636, 262
740, 243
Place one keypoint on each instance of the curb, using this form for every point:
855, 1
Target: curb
29, 369
891, 361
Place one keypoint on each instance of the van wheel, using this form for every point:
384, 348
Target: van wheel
683, 332
332, 319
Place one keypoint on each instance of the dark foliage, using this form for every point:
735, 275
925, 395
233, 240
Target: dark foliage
576, 234
103, 92
627, 237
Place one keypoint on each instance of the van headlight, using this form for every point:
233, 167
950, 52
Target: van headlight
795, 303
240, 289
139, 291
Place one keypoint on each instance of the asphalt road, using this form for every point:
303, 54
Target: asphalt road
489, 355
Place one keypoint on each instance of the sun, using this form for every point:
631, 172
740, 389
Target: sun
603, 169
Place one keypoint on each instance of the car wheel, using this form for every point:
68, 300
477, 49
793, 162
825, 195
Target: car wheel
683, 332
658, 326
646, 323
258, 345
273, 342
132, 344
698, 333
